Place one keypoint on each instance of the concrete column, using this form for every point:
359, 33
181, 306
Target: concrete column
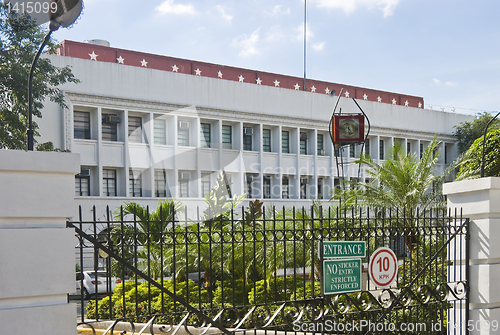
479, 200
37, 265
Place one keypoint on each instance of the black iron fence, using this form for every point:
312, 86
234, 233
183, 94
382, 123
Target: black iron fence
260, 268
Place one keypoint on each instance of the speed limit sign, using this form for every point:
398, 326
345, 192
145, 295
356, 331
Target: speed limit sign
383, 267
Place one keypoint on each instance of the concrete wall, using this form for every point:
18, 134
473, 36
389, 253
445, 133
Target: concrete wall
479, 200
37, 267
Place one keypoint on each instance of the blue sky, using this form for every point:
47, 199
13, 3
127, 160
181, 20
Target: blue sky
444, 50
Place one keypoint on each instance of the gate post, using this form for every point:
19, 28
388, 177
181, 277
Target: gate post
37, 266
479, 200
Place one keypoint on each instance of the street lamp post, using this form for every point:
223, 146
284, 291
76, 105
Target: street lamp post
66, 13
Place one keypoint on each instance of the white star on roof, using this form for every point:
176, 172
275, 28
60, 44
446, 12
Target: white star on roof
120, 60
259, 81
276, 83
296, 86
144, 63
393, 101
93, 56
241, 79
379, 99
313, 89
365, 97
175, 68
442, 109
407, 103
327, 90
347, 94
219, 74
197, 72
419, 105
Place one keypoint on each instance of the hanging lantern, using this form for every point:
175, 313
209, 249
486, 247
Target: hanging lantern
349, 128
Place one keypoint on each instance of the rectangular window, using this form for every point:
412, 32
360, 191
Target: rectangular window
81, 125
135, 129
408, 148
320, 188
267, 187
336, 151
367, 147
184, 178
160, 183
82, 183
249, 186
160, 133
336, 183
266, 140
205, 184
285, 142
303, 185
285, 188
183, 134
227, 136
110, 127
303, 143
445, 154
381, 148
421, 150
109, 182
247, 138
205, 138
134, 183
321, 145
352, 150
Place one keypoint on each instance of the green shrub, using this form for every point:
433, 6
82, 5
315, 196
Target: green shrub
275, 290
471, 164
240, 293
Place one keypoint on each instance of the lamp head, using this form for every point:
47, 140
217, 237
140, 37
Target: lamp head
65, 14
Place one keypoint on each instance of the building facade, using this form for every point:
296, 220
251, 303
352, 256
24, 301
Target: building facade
148, 126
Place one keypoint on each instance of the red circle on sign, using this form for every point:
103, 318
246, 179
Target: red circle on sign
383, 267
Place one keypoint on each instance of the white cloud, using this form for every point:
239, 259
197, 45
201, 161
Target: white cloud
386, 6
222, 11
446, 84
277, 10
247, 44
318, 46
168, 7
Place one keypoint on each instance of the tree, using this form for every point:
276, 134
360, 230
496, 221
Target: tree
19, 42
471, 165
467, 132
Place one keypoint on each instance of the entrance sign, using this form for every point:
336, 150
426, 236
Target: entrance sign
344, 249
341, 276
383, 267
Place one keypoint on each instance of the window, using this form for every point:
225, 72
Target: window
109, 182
285, 188
160, 183
184, 184
266, 140
336, 183
247, 138
303, 185
205, 139
81, 125
445, 154
303, 143
267, 187
320, 188
227, 137
134, 129
285, 142
421, 150
321, 145
205, 184
367, 147
160, 134
82, 183
248, 186
408, 148
381, 148
110, 127
352, 150
183, 133
134, 183
336, 151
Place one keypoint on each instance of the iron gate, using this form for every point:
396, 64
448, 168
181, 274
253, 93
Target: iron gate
259, 269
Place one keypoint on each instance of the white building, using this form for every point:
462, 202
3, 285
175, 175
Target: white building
149, 126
